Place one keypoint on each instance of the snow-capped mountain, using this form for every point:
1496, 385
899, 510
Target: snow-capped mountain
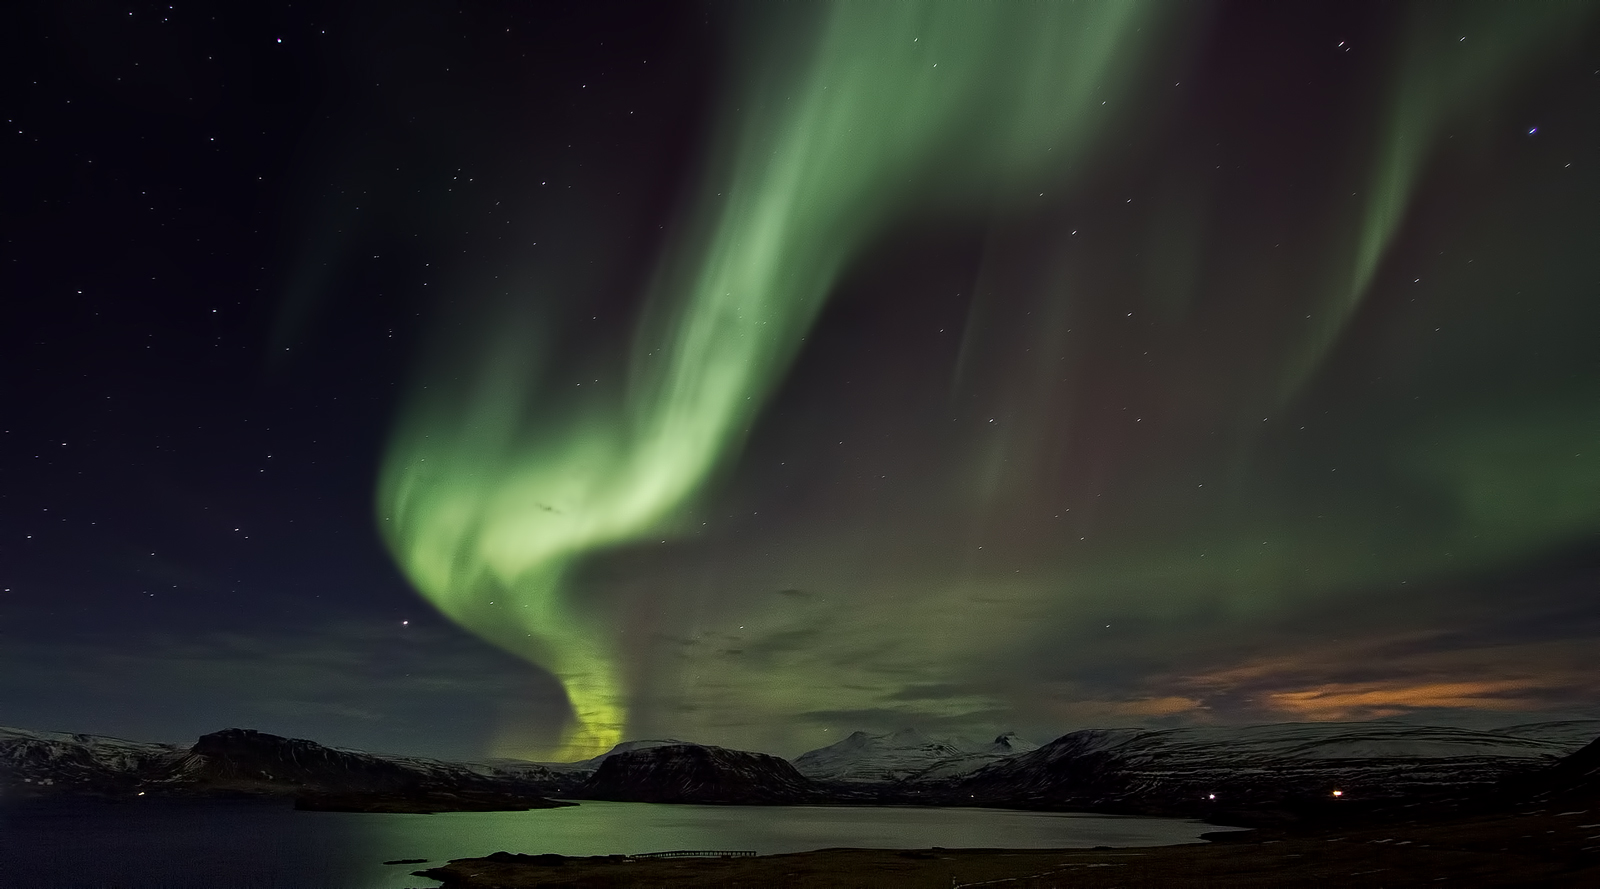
48, 762
1190, 771
904, 756
245, 758
235, 761
1177, 769
1566, 732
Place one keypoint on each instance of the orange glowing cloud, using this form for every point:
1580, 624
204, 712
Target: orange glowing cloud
1337, 701
1379, 677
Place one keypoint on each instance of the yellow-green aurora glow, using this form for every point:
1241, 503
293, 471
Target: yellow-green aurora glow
896, 106
841, 123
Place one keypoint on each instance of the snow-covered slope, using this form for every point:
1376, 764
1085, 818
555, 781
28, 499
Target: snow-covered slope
1567, 732
255, 761
62, 762
1255, 765
904, 756
1143, 770
1353, 740
235, 761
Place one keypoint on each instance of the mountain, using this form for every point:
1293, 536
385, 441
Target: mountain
1206, 770
1009, 743
694, 773
38, 763
1572, 781
904, 756
1568, 732
236, 762
586, 767
1245, 774
248, 760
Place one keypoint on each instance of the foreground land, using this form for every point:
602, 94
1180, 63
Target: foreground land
1527, 849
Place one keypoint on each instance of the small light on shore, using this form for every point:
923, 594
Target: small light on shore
1338, 793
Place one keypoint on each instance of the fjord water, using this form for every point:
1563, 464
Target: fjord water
161, 844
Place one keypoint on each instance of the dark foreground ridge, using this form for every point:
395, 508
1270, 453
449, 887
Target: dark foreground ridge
1534, 827
1540, 848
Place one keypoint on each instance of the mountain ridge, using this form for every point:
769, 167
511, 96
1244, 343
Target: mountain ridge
903, 756
245, 762
1231, 774
699, 773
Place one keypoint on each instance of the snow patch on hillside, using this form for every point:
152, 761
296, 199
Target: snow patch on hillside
905, 755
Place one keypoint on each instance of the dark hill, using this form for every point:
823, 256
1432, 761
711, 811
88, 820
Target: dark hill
1263, 774
247, 761
245, 757
52, 763
1572, 781
692, 773
1580, 772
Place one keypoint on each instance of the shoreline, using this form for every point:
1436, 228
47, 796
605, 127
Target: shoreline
1546, 848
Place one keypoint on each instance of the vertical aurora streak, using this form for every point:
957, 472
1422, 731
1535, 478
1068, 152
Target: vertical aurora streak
1439, 82
1230, 348
504, 380
489, 496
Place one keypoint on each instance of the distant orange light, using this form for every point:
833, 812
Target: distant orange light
1338, 793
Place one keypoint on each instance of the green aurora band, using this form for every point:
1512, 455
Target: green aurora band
894, 107
1438, 83
840, 127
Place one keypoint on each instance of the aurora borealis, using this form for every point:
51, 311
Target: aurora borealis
493, 494
488, 503
756, 374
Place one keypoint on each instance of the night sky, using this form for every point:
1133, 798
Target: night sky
476, 379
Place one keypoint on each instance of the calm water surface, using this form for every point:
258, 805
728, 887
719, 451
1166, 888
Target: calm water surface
159, 844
